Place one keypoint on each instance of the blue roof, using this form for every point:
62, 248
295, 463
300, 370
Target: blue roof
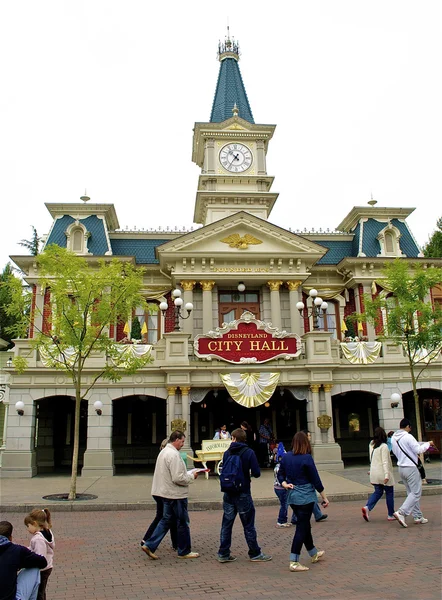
96, 243
142, 250
230, 90
370, 243
337, 251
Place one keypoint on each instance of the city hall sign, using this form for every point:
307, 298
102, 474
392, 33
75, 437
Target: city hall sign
247, 340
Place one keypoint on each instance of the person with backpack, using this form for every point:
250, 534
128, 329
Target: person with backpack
239, 462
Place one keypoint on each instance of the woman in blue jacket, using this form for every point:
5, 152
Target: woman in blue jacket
298, 475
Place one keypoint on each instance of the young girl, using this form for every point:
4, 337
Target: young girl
38, 523
281, 492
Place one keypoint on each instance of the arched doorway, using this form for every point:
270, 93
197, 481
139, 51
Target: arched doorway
430, 404
54, 433
355, 419
139, 426
287, 415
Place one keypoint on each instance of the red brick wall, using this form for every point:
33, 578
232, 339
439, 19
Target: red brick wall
169, 319
361, 297
306, 319
120, 332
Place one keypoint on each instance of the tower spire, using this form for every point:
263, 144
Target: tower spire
230, 92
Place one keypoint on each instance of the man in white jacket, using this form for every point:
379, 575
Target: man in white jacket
171, 482
407, 449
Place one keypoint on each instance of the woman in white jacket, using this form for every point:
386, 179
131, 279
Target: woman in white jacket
381, 474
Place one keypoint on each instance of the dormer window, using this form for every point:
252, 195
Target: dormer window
389, 241
76, 238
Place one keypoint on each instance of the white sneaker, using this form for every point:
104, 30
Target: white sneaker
282, 524
421, 520
400, 517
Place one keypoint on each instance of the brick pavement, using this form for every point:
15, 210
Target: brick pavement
98, 557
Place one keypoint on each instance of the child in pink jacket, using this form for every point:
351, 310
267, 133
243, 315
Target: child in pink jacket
38, 523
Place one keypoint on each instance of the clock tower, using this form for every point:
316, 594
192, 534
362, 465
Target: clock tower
231, 150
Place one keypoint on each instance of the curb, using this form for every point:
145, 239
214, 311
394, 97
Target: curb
195, 505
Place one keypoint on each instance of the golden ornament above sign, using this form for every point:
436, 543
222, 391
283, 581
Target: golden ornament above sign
324, 422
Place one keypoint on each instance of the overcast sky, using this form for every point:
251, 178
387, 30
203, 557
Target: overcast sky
103, 95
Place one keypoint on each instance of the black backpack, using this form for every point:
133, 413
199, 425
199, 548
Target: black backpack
232, 476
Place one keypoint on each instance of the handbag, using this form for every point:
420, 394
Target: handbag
419, 465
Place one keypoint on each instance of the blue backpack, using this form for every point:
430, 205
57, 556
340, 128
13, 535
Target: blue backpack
232, 478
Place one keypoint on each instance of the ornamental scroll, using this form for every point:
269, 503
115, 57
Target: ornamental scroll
361, 353
251, 389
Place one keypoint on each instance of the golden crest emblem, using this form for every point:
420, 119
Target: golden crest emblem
324, 422
241, 242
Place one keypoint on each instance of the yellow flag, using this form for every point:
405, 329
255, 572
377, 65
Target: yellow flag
144, 328
344, 327
360, 326
373, 288
126, 328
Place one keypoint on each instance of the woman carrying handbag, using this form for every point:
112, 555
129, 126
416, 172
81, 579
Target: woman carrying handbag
381, 475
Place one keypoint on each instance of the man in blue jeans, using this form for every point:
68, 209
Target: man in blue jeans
242, 503
171, 483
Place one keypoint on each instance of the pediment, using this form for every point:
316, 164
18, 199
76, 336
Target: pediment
245, 235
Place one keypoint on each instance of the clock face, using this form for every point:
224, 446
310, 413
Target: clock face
235, 158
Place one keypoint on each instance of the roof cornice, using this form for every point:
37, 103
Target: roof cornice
83, 210
372, 212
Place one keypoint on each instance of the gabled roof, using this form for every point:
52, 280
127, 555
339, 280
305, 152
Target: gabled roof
230, 90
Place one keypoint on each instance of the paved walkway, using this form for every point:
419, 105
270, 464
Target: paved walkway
131, 492
98, 557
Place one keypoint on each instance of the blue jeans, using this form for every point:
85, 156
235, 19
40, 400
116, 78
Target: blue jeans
232, 505
159, 515
377, 495
28, 581
303, 533
283, 506
173, 511
317, 512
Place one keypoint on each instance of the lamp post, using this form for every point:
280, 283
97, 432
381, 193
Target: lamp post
318, 305
178, 303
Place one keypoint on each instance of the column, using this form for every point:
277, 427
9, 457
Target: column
185, 410
329, 411
295, 317
314, 389
275, 304
171, 395
98, 459
188, 297
260, 157
207, 305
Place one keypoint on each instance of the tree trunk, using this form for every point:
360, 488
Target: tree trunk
416, 404
73, 488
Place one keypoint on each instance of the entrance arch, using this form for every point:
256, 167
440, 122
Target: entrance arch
139, 426
287, 415
54, 433
355, 417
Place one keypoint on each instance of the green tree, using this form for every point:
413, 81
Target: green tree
412, 321
135, 333
85, 298
33, 245
434, 247
7, 278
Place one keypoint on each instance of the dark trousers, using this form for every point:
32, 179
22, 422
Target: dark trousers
44, 576
241, 504
173, 511
263, 454
303, 533
159, 515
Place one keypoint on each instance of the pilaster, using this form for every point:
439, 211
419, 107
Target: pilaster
98, 459
185, 415
171, 400
207, 305
294, 298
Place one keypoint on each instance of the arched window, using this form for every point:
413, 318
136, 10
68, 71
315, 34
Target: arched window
76, 238
389, 241
331, 322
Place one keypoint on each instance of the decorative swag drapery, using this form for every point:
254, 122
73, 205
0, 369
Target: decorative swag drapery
361, 353
50, 356
251, 389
